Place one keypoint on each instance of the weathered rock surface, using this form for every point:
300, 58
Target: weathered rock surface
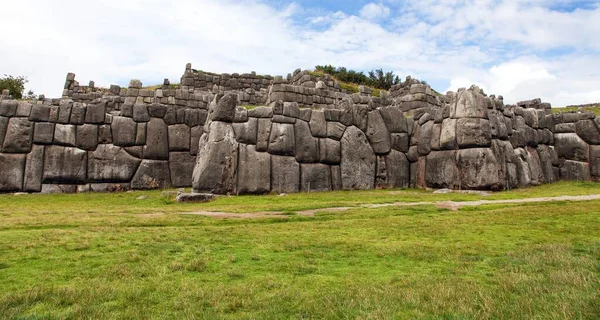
358, 160
152, 174
285, 174
216, 165
64, 165
254, 175
109, 163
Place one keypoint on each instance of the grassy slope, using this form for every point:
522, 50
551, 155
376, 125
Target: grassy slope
595, 109
109, 255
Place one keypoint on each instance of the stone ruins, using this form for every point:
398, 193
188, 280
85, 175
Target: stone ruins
247, 134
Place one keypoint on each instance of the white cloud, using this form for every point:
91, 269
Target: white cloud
374, 11
500, 45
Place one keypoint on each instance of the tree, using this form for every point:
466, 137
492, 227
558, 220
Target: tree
375, 78
15, 85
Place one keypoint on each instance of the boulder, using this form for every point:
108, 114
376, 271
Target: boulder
43, 133
397, 169
330, 151
87, 137
282, 140
254, 171
473, 132
195, 134
157, 140
335, 130
179, 137
140, 113
594, 162
360, 116
448, 135
479, 169
95, 113
468, 104
223, 109
441, 170
575, 171
34, 166
64, 165
152, 174
216, 165
246, 132
358, 160
124, 131
378, 134
109, 163
318, 125
65, 134
315, 177
181, 165
571, 147
425, 137
285, 172
13, 169
394, 119
19, 135
588, 131
39, 113
400, 142
260, 112
263, 134
307, 146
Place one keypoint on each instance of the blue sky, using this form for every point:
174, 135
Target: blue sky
515, 48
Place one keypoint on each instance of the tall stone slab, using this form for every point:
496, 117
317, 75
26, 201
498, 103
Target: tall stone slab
358, 161
285, 173
64, 165
13, 169
254, 171
34, 168
109, 163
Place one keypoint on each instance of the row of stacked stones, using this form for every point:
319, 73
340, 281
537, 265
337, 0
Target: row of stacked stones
80, 147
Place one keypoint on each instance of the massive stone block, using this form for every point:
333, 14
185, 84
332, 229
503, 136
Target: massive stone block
87, 137
152, 174
425, 137
109, 163
246, 132
43, 133
181, 165
318, 125
394, 119
263, 134
95, 113
285, 172
570, 146
448, 135
473, 132
124, 131
441, 170
224, 108
157, 140
254, 172
307, 146
13, 169
479, 169
335, 130
575, 171
378, 134
65, 134
315, 177
282, 140
397, 169
469, 104
216, 165
179, 137
65, 165
358, 160
588, 131
330, 151
34, 167
19, 134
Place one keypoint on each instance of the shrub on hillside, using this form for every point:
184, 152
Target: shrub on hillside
375, 78
16, 85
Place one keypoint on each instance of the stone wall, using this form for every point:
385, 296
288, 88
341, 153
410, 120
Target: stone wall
306, 134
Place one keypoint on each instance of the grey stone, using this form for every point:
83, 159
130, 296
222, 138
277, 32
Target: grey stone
3, 128
39, 113
285, 173
140, 134
330, 151
58, 188
109, 163
394, 119
564, 127
246, 132
181, 165
425, 137
64, 112
282, 140
43, 133
13, 169
441, 170
360, 116
156, 110
260, 112
588, 131
65, 134
78, 113
104, 134
318, 125
192, 117
95, 113
241, 115
283, 119
413, 154
397, 169
32, 181
335, 130
8, 108
291, 109
575, 171
224, 108
336, 178
19, 134
215, 169
64, 165
315, 177
23, 109
263, 134
179, 137
307, 146
377, 133
152, 174
157, 140
571, 147
479, 169
400, 142
195, 197
254, 172
87, 137
196, 133
140, 113
358, 160
305, 114
594, 162
469, 104
435, 137
124, 131
473, 133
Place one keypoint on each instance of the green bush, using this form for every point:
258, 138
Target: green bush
376, 78
16, 85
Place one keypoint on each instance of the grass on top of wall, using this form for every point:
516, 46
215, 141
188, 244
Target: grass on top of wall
594, 109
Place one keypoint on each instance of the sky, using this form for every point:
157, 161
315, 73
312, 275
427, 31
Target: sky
515, 48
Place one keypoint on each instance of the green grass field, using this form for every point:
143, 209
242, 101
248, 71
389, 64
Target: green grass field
112, 256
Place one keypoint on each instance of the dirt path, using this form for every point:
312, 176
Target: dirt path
452, 205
